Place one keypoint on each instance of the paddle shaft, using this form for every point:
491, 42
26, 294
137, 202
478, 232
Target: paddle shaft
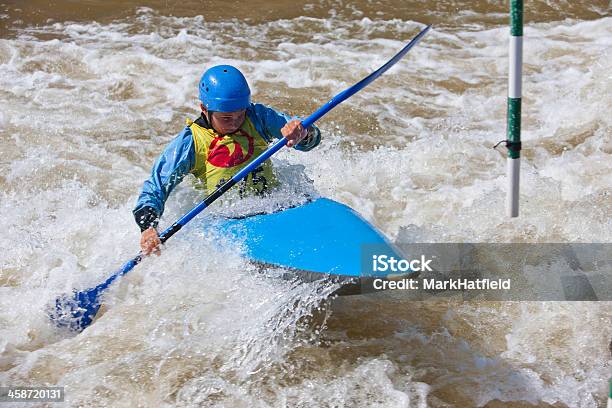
318, 114
88, 299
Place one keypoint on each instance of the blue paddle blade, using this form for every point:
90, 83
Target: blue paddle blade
76, 312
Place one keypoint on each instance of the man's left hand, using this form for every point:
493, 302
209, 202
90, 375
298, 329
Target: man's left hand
294, 132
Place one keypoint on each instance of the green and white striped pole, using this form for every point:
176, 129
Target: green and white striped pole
513, 137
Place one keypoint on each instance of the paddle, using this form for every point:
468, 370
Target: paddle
78, 311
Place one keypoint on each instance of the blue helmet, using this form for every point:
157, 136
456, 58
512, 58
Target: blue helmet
223, 88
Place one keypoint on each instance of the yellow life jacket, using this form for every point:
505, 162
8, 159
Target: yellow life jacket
218, 158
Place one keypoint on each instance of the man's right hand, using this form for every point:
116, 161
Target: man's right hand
150, 242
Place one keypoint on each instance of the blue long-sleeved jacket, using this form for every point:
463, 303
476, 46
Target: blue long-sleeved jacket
178, 159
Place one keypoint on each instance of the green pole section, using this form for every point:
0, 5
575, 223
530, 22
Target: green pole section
513, 129
516, 18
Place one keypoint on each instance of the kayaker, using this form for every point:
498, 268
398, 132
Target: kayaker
228, 135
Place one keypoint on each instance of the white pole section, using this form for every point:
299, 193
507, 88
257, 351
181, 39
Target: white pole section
513, 139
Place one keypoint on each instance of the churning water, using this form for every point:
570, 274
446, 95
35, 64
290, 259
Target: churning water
89, 96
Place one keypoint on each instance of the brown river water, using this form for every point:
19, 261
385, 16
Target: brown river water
91, 92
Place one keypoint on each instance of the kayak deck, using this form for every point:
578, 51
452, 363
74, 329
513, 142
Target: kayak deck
319, 239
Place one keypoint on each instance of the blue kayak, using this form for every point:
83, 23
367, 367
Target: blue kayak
318, 239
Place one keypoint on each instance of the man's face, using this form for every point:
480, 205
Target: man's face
227, 122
